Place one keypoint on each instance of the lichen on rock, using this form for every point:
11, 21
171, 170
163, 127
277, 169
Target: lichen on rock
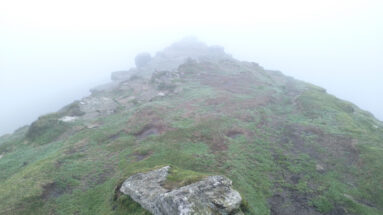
211, 195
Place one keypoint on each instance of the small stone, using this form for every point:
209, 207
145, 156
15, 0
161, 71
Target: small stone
68, 118
161, 94
92, 125
319, 168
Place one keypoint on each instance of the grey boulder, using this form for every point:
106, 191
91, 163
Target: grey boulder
211, 195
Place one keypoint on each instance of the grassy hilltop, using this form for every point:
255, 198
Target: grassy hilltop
288, 146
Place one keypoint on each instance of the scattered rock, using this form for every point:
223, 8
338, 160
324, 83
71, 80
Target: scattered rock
92, 125
319, 168
161, 94
1, 156
212, 195
68, 118
95, 106
349, 197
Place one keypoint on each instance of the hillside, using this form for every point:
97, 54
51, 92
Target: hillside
288, 146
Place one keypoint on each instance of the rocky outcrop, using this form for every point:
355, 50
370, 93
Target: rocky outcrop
173, 56
95, 106
68, 118
212, 195
142, 59
121, 75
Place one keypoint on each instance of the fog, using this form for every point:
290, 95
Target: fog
53, 52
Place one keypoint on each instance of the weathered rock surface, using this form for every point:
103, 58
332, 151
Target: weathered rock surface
94, 106
68, 118
212, 195
178, 53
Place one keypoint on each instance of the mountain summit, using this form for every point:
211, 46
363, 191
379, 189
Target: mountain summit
173, 56
288, 147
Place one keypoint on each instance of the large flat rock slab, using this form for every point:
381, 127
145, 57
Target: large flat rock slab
211, 195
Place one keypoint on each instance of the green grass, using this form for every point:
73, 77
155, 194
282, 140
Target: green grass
179, 177
46, 129
126, 204
44, 170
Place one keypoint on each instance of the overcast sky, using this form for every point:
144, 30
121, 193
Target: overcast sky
52, 52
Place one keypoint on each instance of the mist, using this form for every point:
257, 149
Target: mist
52, 53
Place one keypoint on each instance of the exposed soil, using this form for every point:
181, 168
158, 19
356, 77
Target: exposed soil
218, 146
79, 146
291, 203
142, 156
148, 130
95, 179
115, 136
53, 190
216, 141
151, 122
337, 146
104, 176
234, 134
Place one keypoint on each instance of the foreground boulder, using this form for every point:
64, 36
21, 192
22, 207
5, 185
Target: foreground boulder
212, 195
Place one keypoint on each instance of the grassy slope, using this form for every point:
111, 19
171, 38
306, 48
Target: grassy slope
284, 143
